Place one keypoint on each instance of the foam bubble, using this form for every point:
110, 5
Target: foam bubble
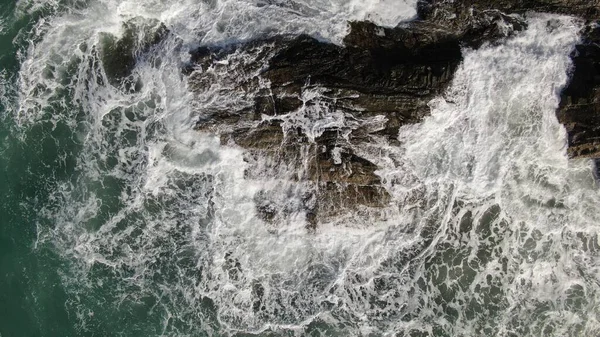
491, 231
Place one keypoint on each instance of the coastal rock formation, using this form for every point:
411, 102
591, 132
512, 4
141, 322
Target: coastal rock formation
579, 109
307, 108
311, 106
460, 9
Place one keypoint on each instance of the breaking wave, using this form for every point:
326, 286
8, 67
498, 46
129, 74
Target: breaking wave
491, 230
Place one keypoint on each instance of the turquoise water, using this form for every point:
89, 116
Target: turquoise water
118, 219
32, 299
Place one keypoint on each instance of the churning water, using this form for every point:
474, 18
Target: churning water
120, 219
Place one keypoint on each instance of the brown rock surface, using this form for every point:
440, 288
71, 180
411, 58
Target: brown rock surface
306, 106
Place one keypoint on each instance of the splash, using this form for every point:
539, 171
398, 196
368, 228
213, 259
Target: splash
492, 231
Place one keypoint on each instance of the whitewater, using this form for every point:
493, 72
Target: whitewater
151, 226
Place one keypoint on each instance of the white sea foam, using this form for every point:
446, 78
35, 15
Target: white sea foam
492, 230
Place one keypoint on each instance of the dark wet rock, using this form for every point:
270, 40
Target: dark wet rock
380, 79
266, 136
443, 9
471, 28
416, 71
365, 90
579, 108
119, 55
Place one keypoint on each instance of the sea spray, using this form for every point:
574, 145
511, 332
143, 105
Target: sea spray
491, 230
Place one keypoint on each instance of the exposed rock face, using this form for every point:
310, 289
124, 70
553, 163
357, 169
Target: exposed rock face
579, 108
315, 105
442, 9
307, 108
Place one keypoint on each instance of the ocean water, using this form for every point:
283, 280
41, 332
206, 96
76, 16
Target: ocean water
117, 218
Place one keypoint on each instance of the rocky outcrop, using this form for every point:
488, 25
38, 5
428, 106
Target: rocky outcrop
312, 106
307, 109
441, 10
579, 109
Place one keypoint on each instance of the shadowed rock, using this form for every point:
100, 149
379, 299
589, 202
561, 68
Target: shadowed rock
310, 105
579, 108
305, 109
119, 55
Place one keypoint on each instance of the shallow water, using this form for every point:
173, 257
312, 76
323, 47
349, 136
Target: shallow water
119, 219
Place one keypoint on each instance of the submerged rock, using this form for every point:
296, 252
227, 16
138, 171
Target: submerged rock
119, 55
